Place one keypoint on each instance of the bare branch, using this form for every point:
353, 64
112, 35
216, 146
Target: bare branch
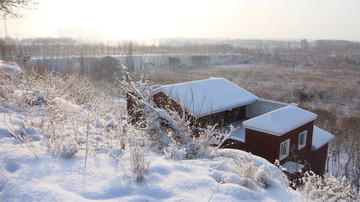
11, 8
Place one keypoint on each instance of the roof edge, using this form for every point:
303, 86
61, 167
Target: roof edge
229, 108
316, 147
276, 133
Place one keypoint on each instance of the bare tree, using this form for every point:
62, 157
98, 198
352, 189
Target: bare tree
130, 60
11, 8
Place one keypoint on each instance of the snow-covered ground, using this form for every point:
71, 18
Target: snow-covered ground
29, 173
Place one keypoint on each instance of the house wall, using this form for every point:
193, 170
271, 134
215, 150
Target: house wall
317, 159
223, 118
134, 113
163, 101
268, 146
262, 106
262, 144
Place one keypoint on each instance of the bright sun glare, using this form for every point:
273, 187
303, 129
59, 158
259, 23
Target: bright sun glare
111, 19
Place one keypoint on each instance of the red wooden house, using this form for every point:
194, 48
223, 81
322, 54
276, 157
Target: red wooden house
272, 130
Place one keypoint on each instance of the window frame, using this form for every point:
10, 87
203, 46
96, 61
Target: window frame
304, 133
283, 156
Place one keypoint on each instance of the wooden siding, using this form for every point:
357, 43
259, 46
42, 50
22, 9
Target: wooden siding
268, 146
317, 159
134, 113
262, 144
163, 101
223, 118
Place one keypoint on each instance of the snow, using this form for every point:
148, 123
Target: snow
292, 167
44, 177
11, 68
320, 138
238, 133
68, 106
204, 97
280, 121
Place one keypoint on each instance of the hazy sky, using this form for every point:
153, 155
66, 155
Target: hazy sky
145, 19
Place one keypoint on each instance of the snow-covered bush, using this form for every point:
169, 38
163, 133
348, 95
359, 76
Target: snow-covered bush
5, 93
31, 98
138, 160
175, 151
65, 148
11, 68
262, 177
328, 188
248, 170
202, 144
251, 171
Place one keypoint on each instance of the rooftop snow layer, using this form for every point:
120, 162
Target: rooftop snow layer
320, 138
209, 96
280, 121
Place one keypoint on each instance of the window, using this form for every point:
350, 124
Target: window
302, 139
284, 149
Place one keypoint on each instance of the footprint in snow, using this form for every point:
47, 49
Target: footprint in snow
11, 166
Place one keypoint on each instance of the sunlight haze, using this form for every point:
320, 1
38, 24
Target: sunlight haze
142, 19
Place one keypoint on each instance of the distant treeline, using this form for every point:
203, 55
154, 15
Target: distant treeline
65, 47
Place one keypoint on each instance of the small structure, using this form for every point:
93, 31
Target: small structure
269, 129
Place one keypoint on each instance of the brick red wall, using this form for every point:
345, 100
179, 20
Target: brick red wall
317, 159
268, 146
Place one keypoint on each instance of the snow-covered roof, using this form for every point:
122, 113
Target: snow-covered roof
204, 97
320, 138
280, 121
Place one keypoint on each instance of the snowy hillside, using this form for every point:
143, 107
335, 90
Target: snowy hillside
61, 144
64, 139
29, 173
25, 177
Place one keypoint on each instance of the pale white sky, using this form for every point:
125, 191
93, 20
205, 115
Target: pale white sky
146, 19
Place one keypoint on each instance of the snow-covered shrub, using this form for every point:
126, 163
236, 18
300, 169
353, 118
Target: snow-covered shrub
328, 188
251, 171
175, 151
201, 145
11, 68
23, 133
262, 177
31, 98
65, 149
247, 171
138, 160
5, 93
